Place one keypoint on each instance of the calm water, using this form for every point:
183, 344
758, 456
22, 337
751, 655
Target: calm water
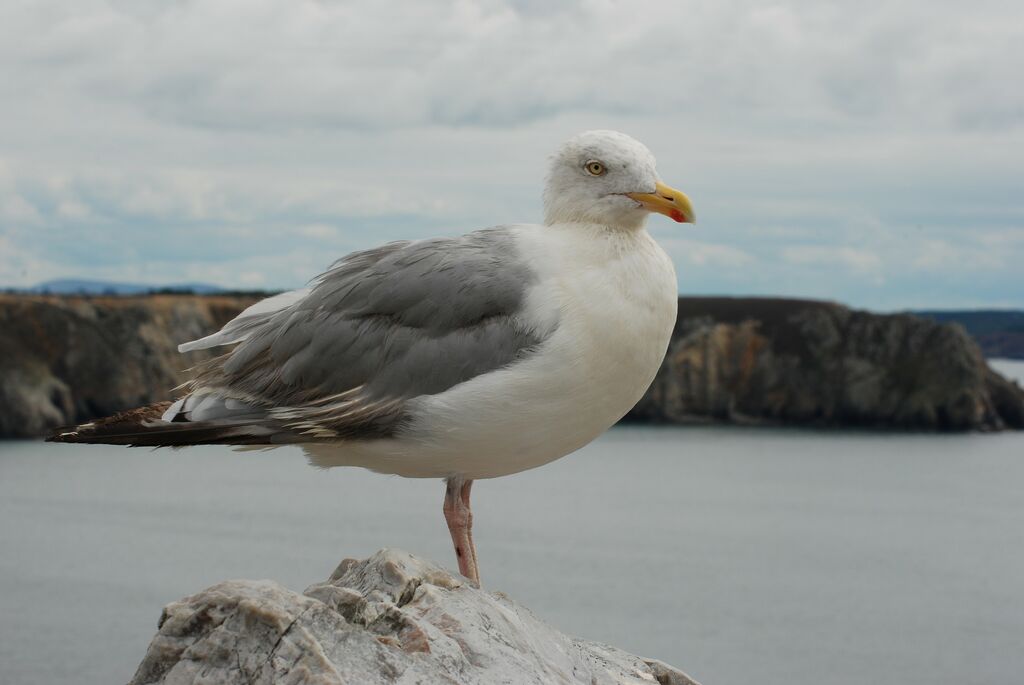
739, 555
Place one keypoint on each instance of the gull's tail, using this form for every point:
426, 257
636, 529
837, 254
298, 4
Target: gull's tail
146, 427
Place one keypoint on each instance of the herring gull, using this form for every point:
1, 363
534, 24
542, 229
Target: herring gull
455, 358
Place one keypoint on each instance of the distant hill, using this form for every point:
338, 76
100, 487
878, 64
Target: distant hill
999, 332
76, 286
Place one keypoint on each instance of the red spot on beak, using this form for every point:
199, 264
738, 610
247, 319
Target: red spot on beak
677, 216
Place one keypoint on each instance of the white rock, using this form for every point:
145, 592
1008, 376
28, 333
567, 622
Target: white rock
392, 618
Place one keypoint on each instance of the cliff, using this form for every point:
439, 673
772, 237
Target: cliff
66, 360
763, 360
391, 618
998, 332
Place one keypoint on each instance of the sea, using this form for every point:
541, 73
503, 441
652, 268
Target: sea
774, 556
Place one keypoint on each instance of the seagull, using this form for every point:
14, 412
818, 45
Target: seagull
458, 358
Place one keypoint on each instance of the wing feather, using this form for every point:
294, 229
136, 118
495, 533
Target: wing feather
379, 328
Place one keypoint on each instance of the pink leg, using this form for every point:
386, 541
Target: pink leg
460, 524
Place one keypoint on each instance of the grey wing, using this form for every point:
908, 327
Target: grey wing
379, 328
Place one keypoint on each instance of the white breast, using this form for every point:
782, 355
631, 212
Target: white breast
611, 298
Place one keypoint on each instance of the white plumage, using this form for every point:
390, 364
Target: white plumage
609, 299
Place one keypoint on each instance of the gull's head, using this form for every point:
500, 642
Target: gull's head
608, 178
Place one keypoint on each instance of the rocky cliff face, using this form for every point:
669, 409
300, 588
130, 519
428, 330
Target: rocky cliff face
392, 618
66, 360
802, 362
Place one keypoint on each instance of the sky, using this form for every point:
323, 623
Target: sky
870, 153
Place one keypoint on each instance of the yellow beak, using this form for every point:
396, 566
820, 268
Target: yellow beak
668, 201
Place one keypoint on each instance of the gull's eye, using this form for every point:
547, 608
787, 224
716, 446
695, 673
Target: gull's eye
594, 168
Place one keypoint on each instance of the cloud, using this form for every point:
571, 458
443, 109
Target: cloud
270, 64
831, 256
829, 150
699, 253
942, 256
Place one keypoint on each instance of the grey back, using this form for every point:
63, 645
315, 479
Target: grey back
380, 327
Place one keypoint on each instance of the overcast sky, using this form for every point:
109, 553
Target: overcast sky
865, 152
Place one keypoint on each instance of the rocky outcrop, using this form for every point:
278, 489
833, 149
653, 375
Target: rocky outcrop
816, 363
392, 618
66, 360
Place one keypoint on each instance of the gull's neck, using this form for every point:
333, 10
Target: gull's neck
590, 226
598, 240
